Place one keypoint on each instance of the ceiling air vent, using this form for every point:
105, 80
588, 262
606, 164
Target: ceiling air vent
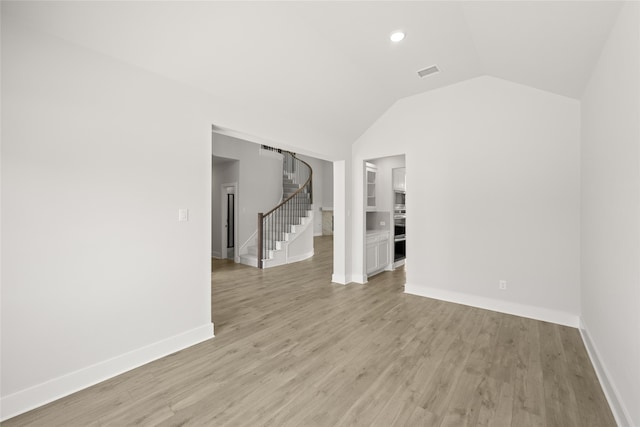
429, 70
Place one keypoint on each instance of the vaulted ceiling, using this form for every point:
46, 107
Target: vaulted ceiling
332, 63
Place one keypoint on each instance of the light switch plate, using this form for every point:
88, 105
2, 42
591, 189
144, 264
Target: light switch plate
183, 214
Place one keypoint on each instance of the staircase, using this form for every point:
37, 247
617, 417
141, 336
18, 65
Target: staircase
285, 233
288, 187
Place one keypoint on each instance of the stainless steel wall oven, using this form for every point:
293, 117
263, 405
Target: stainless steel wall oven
399, 229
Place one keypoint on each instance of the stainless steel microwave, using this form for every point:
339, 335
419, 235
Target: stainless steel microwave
399, 201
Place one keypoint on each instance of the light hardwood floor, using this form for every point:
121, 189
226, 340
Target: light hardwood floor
292, 349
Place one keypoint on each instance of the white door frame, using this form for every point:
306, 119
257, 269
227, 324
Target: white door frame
223, 207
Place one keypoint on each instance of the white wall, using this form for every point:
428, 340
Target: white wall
327, 184
493, 170
611, 216
224, 172
342, 243
97, 158
260, 180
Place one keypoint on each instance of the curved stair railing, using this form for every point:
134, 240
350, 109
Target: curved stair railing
297, 199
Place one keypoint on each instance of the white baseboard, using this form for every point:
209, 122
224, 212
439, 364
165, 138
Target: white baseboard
531, 312
315, 234
340, 279
299, 257
41, 394
216, 255
620, 412
359, 278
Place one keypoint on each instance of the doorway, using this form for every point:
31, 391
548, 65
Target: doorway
385, 214
228, 151
228, 224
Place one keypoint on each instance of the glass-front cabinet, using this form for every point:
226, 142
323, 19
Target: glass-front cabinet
371, 172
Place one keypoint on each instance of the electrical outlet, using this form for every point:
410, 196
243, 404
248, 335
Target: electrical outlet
503, 285
382, 223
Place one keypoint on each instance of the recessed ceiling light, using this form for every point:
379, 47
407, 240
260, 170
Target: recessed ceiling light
397, 36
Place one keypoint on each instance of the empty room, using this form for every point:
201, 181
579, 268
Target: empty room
389, 213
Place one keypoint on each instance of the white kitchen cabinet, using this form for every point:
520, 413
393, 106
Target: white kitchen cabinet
383, 253
399, 179
372, 257
371, 172
377, 252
